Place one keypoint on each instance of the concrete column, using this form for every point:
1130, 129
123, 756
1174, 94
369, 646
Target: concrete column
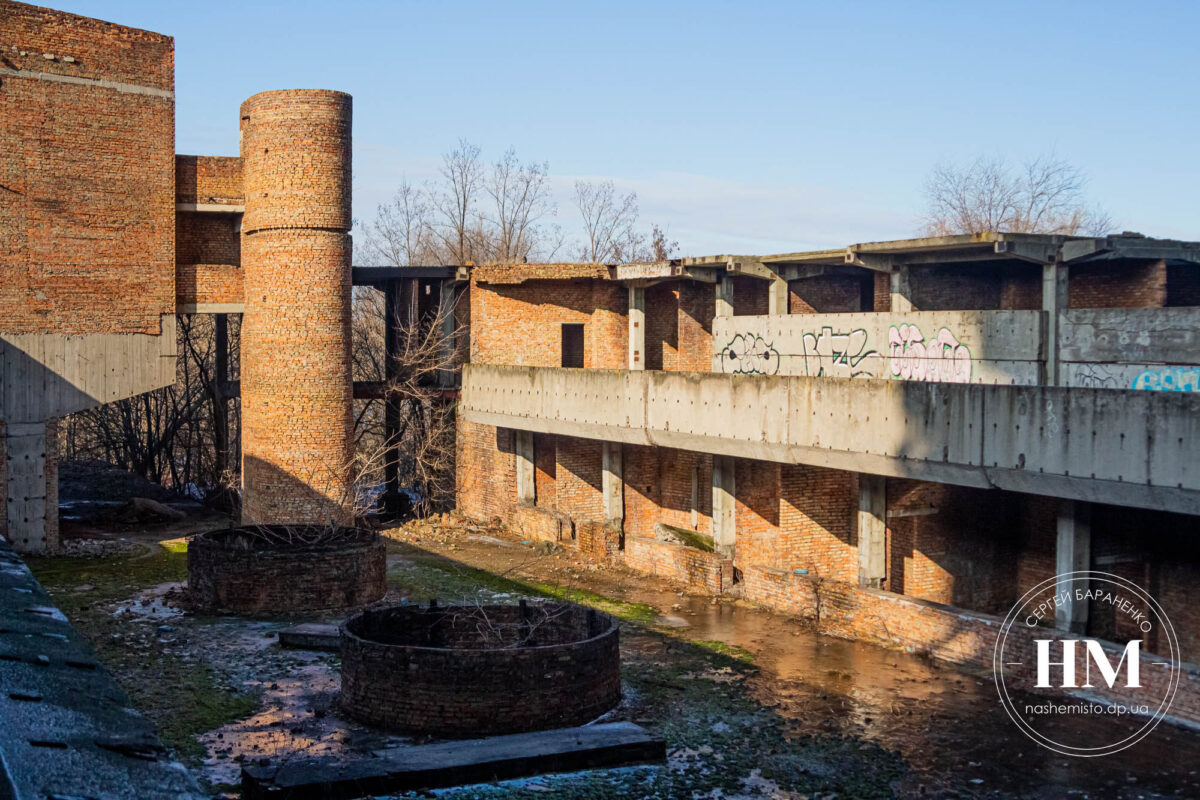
724, 292
1073, 554
526, 482
872, 530
777, 296
724, 509
613, 482
31, 478
446, 307
1054, 302
901, 294
637, 328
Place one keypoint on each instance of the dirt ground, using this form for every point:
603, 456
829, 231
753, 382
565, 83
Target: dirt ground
751, 704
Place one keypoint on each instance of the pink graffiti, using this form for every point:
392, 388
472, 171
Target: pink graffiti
942, 358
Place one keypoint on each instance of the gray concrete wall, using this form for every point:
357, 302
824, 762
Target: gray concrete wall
1130, 448
1153, 349
49, 375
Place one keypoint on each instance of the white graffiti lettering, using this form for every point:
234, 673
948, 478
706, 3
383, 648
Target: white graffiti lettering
841, 355
749, 355
942, 358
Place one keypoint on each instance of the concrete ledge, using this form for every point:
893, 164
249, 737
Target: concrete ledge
211, 208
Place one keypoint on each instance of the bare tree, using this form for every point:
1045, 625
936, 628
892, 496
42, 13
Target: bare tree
402, 233
1045, 195
456, 201
521, 198
608, 221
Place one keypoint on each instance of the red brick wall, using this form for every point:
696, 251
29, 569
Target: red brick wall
206, 238
697, 306
749, 296
697, 569
208, 283
882, 292
87, 215
756, 511
1183, 285
825, 294
662, 326
963, 553
209, 179
1131, 283
486, 476
818, 521
658, 488
643, 492
520, 324
975, 286
578, 482
545, 460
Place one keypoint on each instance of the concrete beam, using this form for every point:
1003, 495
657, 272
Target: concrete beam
32, 487
526, 481
637, 328
724, 490
724, 297
1072, 554
211, 208
1054, 303
872, 530
777, 297
901, 291
613, 482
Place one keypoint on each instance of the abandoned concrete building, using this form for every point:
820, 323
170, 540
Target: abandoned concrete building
897, 438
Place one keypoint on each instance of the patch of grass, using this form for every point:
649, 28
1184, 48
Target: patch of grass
182, 698
731, 650
451, 581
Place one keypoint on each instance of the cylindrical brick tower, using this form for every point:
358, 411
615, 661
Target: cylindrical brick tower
297, 394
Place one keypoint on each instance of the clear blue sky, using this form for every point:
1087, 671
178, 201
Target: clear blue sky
744, 127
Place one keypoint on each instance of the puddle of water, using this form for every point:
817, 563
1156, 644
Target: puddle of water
151, 603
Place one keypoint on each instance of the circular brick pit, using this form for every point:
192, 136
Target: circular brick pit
463, 671
275, 569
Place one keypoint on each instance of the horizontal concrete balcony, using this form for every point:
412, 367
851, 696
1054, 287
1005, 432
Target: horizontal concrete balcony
1122, 447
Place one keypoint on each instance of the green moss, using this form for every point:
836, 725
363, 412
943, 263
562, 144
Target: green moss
180, 697
731, 650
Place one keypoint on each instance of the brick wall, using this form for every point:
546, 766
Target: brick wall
578, 492
826, 294
817, 521
882, 292
959, 547
756, 511
209, 179
545, 469
984, 286
209, 283
697, 569
1128, 283
697, 306
206, 238
520, 324
662, 326
1183, 285
486, 476
87, 217
749, 296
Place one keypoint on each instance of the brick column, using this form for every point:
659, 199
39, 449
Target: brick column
297, 444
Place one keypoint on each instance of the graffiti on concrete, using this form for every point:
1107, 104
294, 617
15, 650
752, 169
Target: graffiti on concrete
1095, 376
1169, 379
749, 355
841, 355
941, 358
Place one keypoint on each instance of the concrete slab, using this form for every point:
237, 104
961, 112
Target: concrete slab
310, 636
456, 763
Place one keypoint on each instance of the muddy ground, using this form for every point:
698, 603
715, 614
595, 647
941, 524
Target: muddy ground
751, 704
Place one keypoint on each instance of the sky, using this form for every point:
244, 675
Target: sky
744, 127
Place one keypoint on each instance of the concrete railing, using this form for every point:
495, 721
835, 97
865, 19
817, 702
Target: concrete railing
1107, 348
1130, 448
